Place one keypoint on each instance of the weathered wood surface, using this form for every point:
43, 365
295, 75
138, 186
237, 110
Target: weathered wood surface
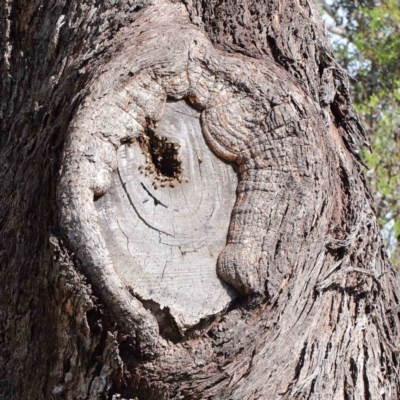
165, 236
318, 312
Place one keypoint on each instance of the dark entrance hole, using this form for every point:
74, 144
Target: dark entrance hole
162, 153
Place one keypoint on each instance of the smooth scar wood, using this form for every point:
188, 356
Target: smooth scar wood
164, 242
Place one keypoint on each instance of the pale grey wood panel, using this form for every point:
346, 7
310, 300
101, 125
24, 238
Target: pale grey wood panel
166, 250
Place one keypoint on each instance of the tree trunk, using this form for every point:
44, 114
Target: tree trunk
183, 210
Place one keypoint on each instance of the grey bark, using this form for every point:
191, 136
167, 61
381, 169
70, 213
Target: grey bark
311, 304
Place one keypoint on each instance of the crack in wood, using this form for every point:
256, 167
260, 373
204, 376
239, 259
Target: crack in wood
156, 201
136, 211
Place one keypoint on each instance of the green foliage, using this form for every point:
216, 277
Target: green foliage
367, 42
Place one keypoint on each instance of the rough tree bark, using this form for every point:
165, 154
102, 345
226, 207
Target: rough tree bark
103, 101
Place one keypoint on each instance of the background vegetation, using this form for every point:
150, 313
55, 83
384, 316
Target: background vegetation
366, 39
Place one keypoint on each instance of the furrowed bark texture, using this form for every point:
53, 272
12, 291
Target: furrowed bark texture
313, 305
